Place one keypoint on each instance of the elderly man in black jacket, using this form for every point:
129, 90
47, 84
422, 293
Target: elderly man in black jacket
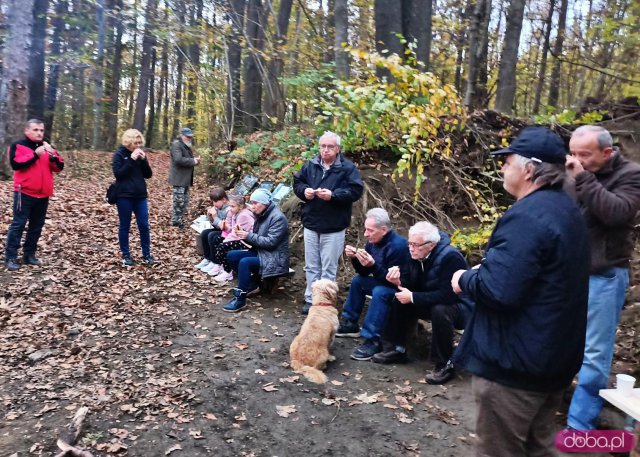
425, 292
525, 340
181, 168
329, 184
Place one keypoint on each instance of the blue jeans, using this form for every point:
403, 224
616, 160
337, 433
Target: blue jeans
247, 265
606, 298
137, 206
25, 208
322, 252
381, 297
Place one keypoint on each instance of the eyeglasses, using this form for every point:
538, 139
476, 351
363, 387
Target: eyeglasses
417, 245
330, 147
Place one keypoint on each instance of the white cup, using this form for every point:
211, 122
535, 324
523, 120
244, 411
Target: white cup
624, 384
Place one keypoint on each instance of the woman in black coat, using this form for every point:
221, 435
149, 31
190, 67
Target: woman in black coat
131, 168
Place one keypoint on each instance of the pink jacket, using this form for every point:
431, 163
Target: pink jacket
244, 219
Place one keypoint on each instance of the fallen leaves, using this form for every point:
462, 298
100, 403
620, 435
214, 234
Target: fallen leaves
284, 411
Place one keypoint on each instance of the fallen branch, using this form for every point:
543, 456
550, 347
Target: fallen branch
70, 434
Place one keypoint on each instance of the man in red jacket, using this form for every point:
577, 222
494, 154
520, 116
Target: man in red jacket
34, 161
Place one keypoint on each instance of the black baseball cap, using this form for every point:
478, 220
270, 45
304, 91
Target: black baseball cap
537, 143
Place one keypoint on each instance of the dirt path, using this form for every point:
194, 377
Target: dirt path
165, 372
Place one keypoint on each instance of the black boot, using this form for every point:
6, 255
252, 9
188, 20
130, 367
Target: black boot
238, 301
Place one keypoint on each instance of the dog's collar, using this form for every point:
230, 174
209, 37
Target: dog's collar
323, 304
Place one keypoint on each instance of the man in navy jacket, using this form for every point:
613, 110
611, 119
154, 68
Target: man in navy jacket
384, 249
328, 185
525, 340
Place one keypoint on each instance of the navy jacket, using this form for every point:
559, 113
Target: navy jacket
342, 179
429, 280
391, 251
270, 238
527, 330
130, 174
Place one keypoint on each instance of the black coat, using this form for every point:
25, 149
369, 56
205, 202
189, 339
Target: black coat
342, 179
528, 327
130, 174
270, 238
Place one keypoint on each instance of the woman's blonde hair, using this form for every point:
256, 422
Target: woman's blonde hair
129, 137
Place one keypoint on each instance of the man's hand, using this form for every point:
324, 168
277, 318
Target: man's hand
455, 279
365, 258
404, 296
196, 160
309, 193
350, 251
47, 147
573, 166
324, 194
39, 150
393, 276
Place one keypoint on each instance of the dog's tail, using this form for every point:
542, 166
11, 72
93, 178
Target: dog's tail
311, 373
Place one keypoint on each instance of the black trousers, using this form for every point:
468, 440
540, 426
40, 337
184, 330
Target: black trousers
402, 322
210, 238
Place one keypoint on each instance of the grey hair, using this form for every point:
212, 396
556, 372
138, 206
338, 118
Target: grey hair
381, 217
543, 173
330, 134
426, 230
602, 135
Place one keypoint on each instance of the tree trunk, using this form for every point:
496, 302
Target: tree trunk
476, 93
234, 58
545, 53
463, 13
152, 102
148, 43
364, 27
97, 104
506, 91
177, 102
54, 68
114, 71
341, 15
329, 32
274, 103
416, 18
554, 84
254, 66
14, 84
164, 75
388, 19
36, 73
194, 57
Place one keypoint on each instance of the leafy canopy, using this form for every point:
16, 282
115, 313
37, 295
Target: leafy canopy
412, 113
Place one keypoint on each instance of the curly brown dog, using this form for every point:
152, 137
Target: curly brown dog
310, 349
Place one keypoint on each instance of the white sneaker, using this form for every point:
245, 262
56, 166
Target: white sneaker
208, 268
224, 277
203, 263
216, 270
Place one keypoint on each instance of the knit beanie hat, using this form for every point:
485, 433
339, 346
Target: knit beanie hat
261, 196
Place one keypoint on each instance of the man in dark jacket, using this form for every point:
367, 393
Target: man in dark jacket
268, 253
34, 161
425, 292
181, 174
384, 249
525, 340
328, 184
607, 188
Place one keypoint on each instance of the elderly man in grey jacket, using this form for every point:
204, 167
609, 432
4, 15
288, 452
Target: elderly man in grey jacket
181, 170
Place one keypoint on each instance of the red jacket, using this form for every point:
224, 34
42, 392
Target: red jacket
33, 175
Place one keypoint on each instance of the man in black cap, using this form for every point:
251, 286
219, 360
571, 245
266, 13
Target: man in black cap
181, 174
525, 339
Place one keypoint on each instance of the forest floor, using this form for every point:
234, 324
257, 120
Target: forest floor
164, 371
